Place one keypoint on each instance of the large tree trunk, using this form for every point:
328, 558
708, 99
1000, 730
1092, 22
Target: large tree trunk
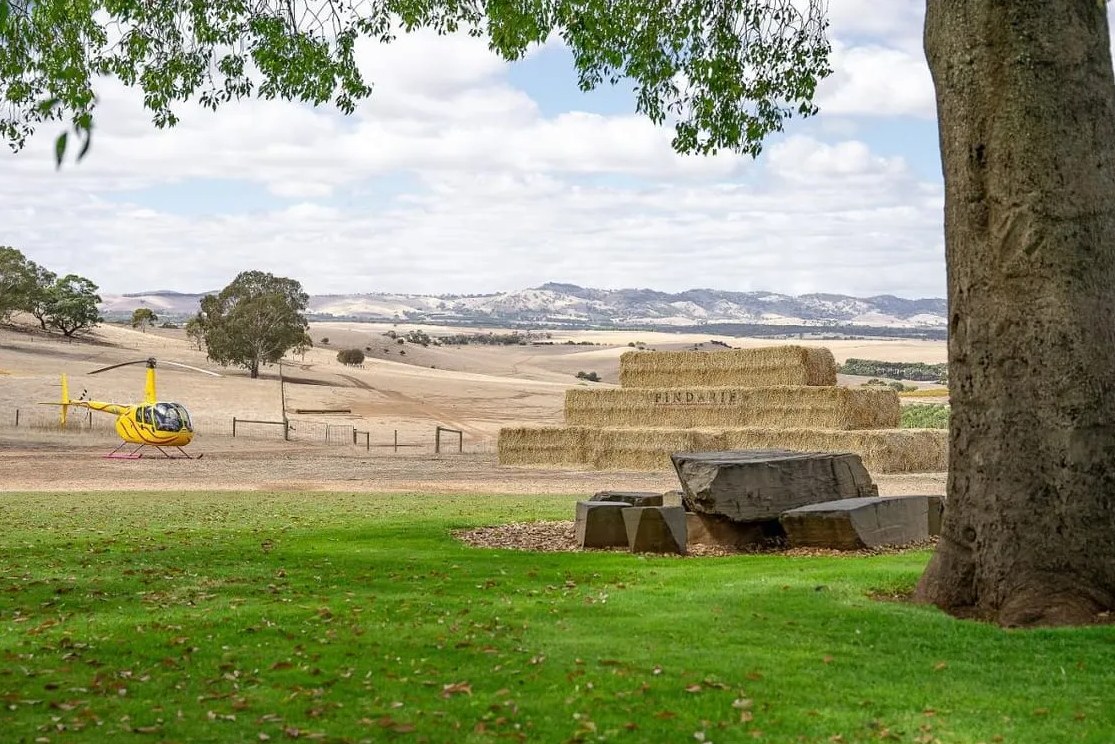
1026, 102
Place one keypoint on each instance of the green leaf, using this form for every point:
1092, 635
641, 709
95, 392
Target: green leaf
85, 145
60, 148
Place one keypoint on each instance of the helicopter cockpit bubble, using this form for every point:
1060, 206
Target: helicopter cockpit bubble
168, 417
184, 415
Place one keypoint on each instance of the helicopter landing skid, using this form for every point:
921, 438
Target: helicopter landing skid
137, 453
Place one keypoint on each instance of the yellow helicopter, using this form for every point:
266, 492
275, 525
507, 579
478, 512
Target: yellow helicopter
152, 423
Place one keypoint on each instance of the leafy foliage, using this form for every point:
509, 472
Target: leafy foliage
590, 376
254, 320
896, 370
38, 301
195, 331
18, 281
350, 356
725, 74
143, 317
418, 337
70, 304
489, 339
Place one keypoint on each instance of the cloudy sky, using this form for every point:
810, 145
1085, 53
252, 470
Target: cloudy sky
466, 174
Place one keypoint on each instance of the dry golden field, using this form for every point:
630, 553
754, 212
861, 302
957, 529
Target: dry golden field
475, 389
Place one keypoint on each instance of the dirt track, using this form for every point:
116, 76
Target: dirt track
66, 463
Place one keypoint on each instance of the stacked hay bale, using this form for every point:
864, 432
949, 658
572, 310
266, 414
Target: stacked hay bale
775, 397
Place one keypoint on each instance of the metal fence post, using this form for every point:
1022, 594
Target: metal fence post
396, 440
17, 417
234, 426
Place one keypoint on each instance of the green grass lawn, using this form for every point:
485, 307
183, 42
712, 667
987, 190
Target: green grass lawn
253, 617
925, 416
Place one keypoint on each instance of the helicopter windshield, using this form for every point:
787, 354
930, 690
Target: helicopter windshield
171, 417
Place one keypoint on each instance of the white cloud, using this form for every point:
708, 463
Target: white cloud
499, 195
877, 81
899, 22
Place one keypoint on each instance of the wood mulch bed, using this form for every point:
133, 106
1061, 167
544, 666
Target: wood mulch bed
559, 537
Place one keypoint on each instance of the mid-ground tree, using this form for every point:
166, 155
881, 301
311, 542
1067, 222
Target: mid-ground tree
144, 317
1026, 106
25, 286
39, 298
70, 305
17, 281
253, 321
195, 331
350, 357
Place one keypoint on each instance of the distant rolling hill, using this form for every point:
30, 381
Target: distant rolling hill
571, 305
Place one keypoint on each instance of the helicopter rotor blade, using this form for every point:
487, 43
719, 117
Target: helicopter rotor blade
195, 369
153, 363
114, 366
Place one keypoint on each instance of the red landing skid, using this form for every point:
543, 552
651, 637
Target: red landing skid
136, 453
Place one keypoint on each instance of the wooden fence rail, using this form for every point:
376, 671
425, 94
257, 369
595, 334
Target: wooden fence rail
284, 424
437, 438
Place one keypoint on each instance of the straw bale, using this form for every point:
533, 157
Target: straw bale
762, 367
642, 449
786, 406
551, 445
882, 450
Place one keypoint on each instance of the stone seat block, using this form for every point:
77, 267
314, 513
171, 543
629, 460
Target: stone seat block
634, 498
854, 524
600, 524
655, 529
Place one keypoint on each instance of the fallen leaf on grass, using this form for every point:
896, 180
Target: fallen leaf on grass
398, 727
457, 688
665, 715
940, 665
693, 688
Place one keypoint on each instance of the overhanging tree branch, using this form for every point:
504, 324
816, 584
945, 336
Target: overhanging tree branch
724, 73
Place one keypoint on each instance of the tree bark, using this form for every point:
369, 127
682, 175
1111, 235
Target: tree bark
1026, 105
